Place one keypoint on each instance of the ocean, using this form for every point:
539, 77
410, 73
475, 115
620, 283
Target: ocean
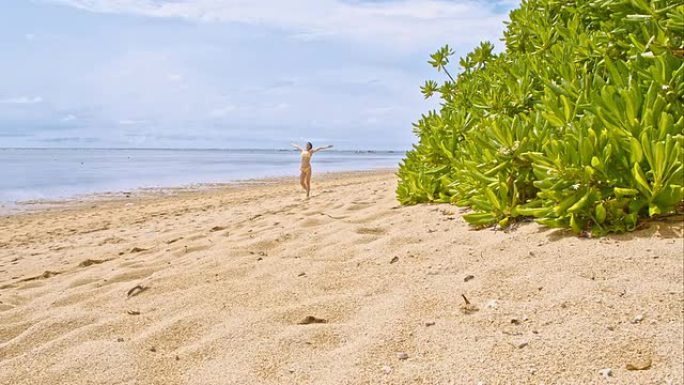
55, 174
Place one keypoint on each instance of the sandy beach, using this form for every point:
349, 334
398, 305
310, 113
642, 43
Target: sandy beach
253, 284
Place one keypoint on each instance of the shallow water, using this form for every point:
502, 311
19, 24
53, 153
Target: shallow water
39, 174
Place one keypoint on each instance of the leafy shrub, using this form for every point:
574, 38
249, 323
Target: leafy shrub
578, 123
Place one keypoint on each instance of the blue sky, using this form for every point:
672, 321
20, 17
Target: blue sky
226, 73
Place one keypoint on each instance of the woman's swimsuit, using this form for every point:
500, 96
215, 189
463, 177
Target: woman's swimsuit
306, 161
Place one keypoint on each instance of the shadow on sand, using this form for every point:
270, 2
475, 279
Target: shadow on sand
665, 228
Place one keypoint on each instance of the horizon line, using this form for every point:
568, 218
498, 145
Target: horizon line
194, 149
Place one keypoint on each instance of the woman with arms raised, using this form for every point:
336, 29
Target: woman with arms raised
305, 168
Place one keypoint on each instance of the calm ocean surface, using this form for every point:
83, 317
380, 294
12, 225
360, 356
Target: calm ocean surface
36, 174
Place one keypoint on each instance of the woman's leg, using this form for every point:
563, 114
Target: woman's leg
308, 183
302, 180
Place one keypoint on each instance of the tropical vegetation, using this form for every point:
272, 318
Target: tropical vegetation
578, 122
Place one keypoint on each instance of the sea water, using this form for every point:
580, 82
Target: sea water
46, 174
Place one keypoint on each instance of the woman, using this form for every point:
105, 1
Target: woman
305, 168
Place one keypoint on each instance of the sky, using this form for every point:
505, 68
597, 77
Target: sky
227, 73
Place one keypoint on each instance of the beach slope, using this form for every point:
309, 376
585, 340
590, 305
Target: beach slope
253, 284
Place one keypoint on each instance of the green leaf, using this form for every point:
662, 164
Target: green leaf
600, 213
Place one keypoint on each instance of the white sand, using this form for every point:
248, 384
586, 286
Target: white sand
230, 273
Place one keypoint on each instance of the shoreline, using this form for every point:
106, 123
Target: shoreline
256, 285
37, 205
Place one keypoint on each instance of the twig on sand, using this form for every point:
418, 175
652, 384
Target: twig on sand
468, 308
89, 262
136, 290
332, 216
46, 274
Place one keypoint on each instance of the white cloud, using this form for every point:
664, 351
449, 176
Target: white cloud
226, 69
407, 23
22, 100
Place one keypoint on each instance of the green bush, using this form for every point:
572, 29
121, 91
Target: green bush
578, 123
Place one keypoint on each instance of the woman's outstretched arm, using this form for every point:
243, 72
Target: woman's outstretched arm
323, 148
296, 146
